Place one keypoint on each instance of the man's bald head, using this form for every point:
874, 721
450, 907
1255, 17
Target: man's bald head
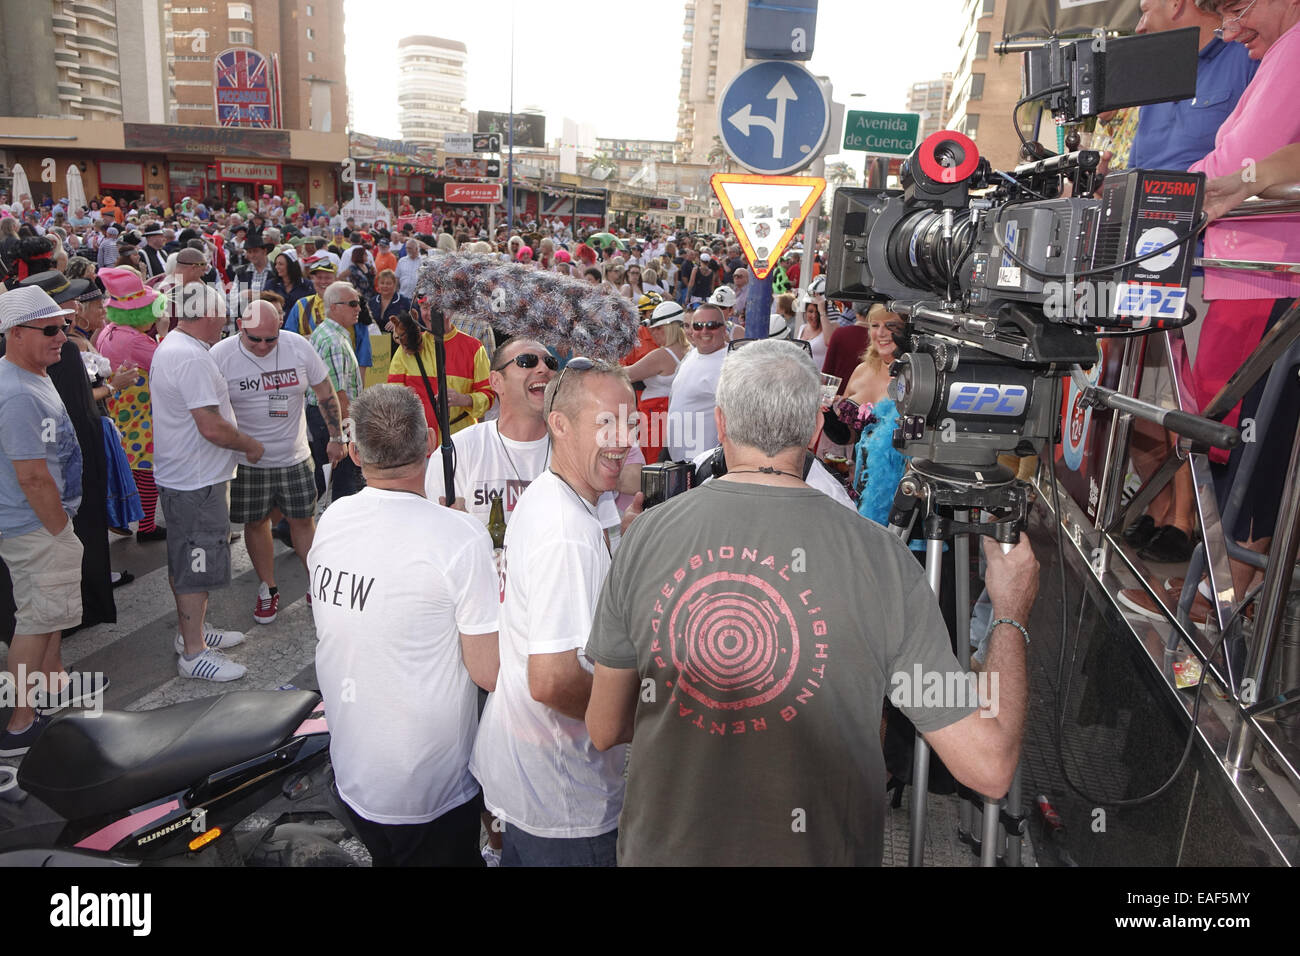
260, 327
260, 318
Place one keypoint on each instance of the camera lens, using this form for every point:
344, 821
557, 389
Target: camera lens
917, 253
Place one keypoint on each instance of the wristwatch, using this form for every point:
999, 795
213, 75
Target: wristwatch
336, 439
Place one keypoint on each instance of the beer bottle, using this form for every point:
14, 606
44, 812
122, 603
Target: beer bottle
497, 522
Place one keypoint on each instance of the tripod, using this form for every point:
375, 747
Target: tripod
944, 496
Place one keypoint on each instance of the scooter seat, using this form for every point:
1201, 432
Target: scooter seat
85, 765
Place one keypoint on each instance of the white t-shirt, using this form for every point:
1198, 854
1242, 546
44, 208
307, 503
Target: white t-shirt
183, 376
691, 429
408, 271
539, 769
389, 606
269, 394
488, 462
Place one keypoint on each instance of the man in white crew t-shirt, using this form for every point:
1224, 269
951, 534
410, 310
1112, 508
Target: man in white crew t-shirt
507, 454
268, 372
558, 797
691, 429
406, 618
195, 441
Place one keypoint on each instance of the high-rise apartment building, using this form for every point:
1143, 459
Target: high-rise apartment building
89, 59
303, 41
431, 88
160, 100
713, 52
985, 86
930, 100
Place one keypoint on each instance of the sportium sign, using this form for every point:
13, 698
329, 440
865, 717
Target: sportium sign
885, 134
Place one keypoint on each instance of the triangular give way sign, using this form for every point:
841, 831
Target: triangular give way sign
766, 212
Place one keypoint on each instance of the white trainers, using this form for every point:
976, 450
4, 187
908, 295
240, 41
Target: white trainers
213, 639
210, 665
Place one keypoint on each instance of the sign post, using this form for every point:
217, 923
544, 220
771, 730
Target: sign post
458, 142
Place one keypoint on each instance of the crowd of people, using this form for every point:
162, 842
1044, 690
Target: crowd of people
233, 374
272, 370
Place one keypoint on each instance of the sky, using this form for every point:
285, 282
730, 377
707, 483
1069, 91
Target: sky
617, 65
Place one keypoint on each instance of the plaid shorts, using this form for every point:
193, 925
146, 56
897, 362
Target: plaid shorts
255, 491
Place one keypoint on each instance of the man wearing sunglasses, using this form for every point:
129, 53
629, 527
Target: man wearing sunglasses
40, 492
505, 455
558, 798
268, 373
691, 430
332, 340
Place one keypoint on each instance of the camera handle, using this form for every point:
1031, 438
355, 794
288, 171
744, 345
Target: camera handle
1203, 432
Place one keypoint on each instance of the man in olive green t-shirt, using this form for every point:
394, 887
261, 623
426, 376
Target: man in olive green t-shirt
748, 632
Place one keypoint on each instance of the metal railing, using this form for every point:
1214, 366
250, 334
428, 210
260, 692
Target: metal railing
1272, 361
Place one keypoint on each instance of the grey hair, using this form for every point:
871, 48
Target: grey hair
769, 393
389, 427
336, 290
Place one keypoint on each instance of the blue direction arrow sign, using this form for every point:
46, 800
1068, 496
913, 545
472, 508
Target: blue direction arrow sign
774, 117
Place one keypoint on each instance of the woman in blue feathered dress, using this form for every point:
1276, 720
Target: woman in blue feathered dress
877, 465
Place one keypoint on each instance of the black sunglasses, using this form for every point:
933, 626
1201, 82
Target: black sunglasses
802, 343
529, 360
701, 326
579, 363
350, 303
49, 331
269, 338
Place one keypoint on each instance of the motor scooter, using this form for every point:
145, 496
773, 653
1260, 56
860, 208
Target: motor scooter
177, 786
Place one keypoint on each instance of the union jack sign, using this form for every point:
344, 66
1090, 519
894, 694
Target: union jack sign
244, 89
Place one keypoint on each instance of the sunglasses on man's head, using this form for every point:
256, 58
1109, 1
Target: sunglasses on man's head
49, 331
701, 326
529, 360
267, 338
579, 363
741, 343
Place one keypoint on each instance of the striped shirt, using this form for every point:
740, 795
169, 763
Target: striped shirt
334, 345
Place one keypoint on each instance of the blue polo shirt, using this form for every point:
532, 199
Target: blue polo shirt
1175, 135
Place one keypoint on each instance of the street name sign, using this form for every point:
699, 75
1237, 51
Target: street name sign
884, 134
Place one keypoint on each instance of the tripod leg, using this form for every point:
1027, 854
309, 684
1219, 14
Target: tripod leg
989, 848
921, 753
1014, 840
961, 561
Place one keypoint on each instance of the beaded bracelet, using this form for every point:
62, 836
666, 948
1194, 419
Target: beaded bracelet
1014, 623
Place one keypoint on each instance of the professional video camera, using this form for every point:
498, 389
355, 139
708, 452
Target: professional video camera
1008, 279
